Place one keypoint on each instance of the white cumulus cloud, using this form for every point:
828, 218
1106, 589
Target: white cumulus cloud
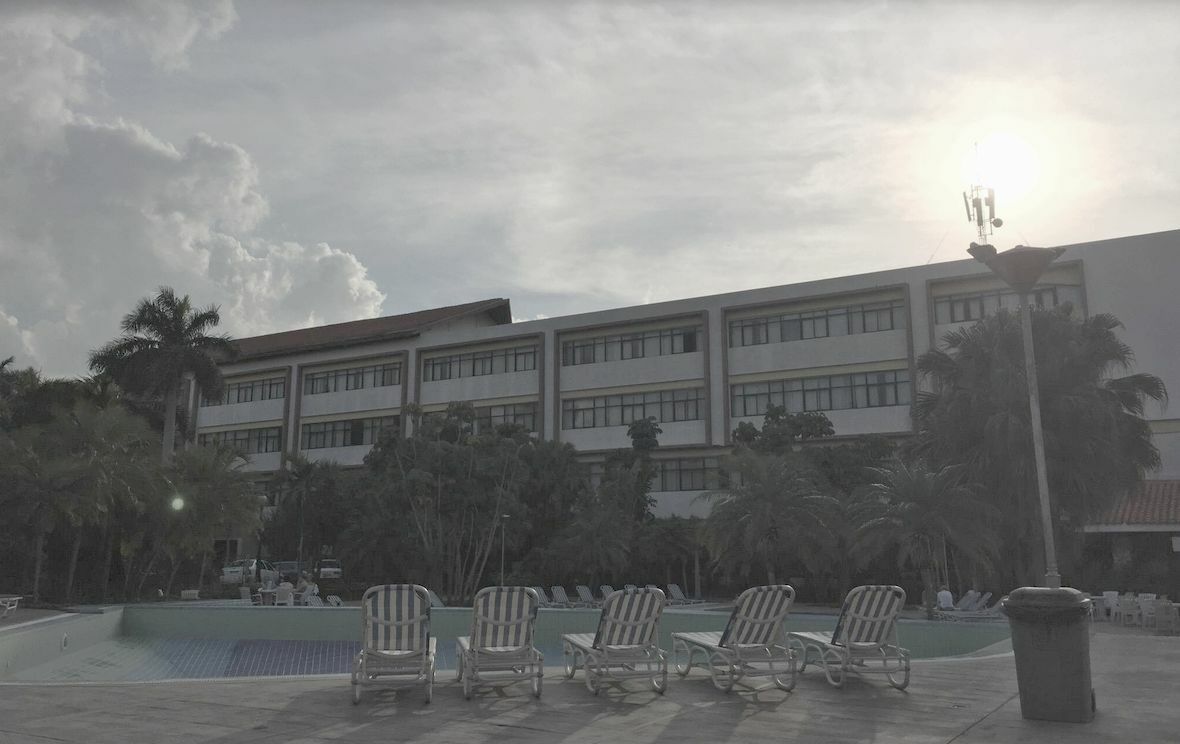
97, 212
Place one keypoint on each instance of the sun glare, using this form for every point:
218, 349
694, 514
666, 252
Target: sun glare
1005, 163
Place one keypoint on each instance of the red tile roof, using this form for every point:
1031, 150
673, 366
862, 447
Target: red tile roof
366, 331
1157, 502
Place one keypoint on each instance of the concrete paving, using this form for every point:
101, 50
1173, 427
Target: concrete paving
967, 701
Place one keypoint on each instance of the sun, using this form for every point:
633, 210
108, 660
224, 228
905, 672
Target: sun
1004, 162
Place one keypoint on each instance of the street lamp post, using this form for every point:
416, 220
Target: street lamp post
503, 526
1020, 268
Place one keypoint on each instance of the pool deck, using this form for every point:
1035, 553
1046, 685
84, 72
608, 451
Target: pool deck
1136, 676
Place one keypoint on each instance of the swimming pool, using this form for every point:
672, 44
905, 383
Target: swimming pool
158, 642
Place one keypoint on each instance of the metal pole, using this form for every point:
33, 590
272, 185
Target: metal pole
502, 525
1052, 577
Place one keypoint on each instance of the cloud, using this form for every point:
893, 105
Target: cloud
98, 212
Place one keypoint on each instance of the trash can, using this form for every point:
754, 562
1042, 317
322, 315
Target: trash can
1051, 642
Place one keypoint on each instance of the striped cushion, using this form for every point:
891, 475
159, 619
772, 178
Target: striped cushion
868, 615
710, 639
503, 617
396, 617
630, 618
758, 616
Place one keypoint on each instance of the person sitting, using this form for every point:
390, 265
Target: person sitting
301, 585
946, 600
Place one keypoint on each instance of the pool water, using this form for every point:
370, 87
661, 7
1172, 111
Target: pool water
157, 642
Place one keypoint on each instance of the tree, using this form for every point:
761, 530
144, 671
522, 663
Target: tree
164, 339
922, 511
771, 515
1097, 443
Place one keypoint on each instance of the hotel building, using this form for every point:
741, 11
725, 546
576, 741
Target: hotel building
845, 346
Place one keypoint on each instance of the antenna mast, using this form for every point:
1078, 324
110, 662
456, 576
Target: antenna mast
980, 203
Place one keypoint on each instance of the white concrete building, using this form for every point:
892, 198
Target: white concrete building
845, 346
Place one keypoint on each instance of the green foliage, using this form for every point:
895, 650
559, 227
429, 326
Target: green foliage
1097, 443
918, 512
164, 339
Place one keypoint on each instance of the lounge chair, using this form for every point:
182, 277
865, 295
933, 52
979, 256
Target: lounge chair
630, 587
313, 600
678, 598
395, 639
753, 644
587, 596
626, 645
8, 603
967, 600
605, 590
542, 597
865, 636
987, 613
501, 640
334, 600
561, 599
980, 603
434, 599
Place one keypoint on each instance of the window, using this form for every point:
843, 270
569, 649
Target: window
630, 346
348, 433
687, 474
837, 321
622, 410
353, 378
246, 441
487, 418
476, 364
829, 393
965, 308
247, 392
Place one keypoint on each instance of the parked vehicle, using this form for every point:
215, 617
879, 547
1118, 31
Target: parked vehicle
330, 568
246, 570
289, 570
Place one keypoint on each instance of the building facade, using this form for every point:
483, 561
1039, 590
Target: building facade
845, 346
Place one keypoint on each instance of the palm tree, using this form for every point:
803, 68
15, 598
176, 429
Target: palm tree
923, 511
1097, 443
164, 339
773, 512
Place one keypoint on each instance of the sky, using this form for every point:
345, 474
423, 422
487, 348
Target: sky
299, 163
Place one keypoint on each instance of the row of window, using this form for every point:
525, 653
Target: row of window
621, 410
829, 393
487, 418
630, 346
354, 378
350, 433
478, 363
835, 321
245, 392
963, 308
687, 474
246, 441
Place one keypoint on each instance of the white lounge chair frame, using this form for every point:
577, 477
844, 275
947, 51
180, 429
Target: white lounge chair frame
395, 639
8, 604
753, 644
501, 640
561, 599
864, 641
626, 645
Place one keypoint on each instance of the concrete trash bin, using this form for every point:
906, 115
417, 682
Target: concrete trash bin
1051, 643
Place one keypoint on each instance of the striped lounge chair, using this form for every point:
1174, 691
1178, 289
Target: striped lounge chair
501, 640
395, 639
626, 645
542, 596
753, 644
864, 641
586, 596
678, 598
605, 590
560, 598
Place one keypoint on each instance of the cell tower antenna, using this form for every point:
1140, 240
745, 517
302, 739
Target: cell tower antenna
980, 203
